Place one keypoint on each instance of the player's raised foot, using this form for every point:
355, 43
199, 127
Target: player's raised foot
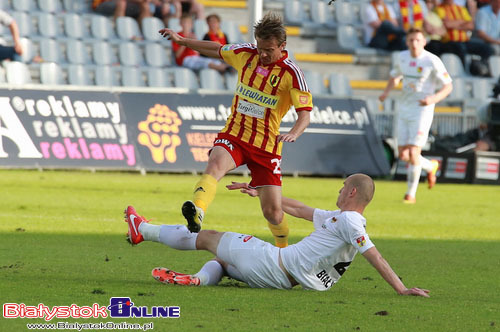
409, 199
167, 276
133, 220
431, 176
194, 216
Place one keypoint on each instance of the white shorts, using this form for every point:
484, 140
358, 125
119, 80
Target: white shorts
256, 260
413, 129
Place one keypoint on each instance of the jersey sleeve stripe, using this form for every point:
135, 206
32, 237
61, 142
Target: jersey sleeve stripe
298, 75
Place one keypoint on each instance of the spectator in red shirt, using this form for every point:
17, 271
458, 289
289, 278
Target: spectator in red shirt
189, 58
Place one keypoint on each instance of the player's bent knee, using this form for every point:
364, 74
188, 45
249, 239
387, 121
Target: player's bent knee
274, 216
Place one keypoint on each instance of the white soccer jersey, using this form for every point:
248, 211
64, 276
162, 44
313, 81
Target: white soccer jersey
421, 77
319, 260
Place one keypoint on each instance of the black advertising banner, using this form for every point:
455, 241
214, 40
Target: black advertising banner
175, 132
170, 132
64, 129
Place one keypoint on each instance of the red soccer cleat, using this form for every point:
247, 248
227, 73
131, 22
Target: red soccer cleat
134, 220
409, 199
431, 176
167, 276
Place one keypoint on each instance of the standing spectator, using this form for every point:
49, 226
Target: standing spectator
135, 8
214, 31
187, 57
488, 24
166, 9
193, 8
10, 52
381, 27
459, 24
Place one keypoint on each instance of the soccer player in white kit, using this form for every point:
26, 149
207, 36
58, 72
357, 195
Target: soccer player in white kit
316, 262
422, 72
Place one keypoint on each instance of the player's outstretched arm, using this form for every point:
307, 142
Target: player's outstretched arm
381, 265
291, 206
208, 48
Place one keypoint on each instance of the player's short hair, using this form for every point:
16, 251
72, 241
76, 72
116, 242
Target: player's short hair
270, 26
415, 30
365, 187
217, 17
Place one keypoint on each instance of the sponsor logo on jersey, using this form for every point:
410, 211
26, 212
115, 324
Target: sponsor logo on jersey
304, 100
225, 142
199, 189
262, 71
247, 238
324, 278
361, 241
255, 96
413, 64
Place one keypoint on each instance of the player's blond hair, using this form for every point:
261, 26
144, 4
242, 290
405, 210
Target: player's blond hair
270, 26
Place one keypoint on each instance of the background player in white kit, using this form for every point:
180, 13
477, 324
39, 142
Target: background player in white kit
422, 72
316, 262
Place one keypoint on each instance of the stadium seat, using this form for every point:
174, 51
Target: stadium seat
17, 72
51, 73
232, 31
231, 80
78, 75
294, 13
150, 28
315, 82
28, 50
459, 92
200, 28
3, 79
156, 55
211, 79
132, 76
24, 5
130, 54
50, 51
185, 78
48, 25
77, 52
321, 14
76, 6
348, 38
453, 65
494, 63
101, 27
50, 6
24, 24
127, 28
105, 76
345, 13
103, 54
75, 26
482, 88
339, 85
158, 77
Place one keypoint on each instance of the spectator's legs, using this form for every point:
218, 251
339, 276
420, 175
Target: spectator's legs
381, 38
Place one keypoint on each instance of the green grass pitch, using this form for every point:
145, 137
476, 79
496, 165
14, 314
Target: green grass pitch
62, 241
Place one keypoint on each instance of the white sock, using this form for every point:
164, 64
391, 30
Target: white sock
210, 274
413, 179
177, 237
426, 164
150, 232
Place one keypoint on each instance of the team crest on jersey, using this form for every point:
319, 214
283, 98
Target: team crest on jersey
274, 80
334, 219
361, 241
419, 70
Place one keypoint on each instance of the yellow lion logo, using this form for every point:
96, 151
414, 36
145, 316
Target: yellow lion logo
159, 133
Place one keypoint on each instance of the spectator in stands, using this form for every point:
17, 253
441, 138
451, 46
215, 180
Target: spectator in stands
488, 24
434, 29
187, 57
412, 13
459, 24
10, 52
471, 5
193, 8
214, 31
381, 27
166, 9
135, 8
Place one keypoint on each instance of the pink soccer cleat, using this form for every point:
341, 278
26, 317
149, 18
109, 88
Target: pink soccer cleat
167, 276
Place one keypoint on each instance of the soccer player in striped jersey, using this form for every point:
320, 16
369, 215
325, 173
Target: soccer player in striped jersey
269, 83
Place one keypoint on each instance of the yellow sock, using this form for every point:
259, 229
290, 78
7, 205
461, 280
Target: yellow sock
204, 191
280, 233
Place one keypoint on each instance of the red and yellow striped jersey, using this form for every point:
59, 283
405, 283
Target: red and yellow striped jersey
454, 12
263, 96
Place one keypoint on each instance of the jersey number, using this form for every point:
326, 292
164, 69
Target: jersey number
277, 169
341, 267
